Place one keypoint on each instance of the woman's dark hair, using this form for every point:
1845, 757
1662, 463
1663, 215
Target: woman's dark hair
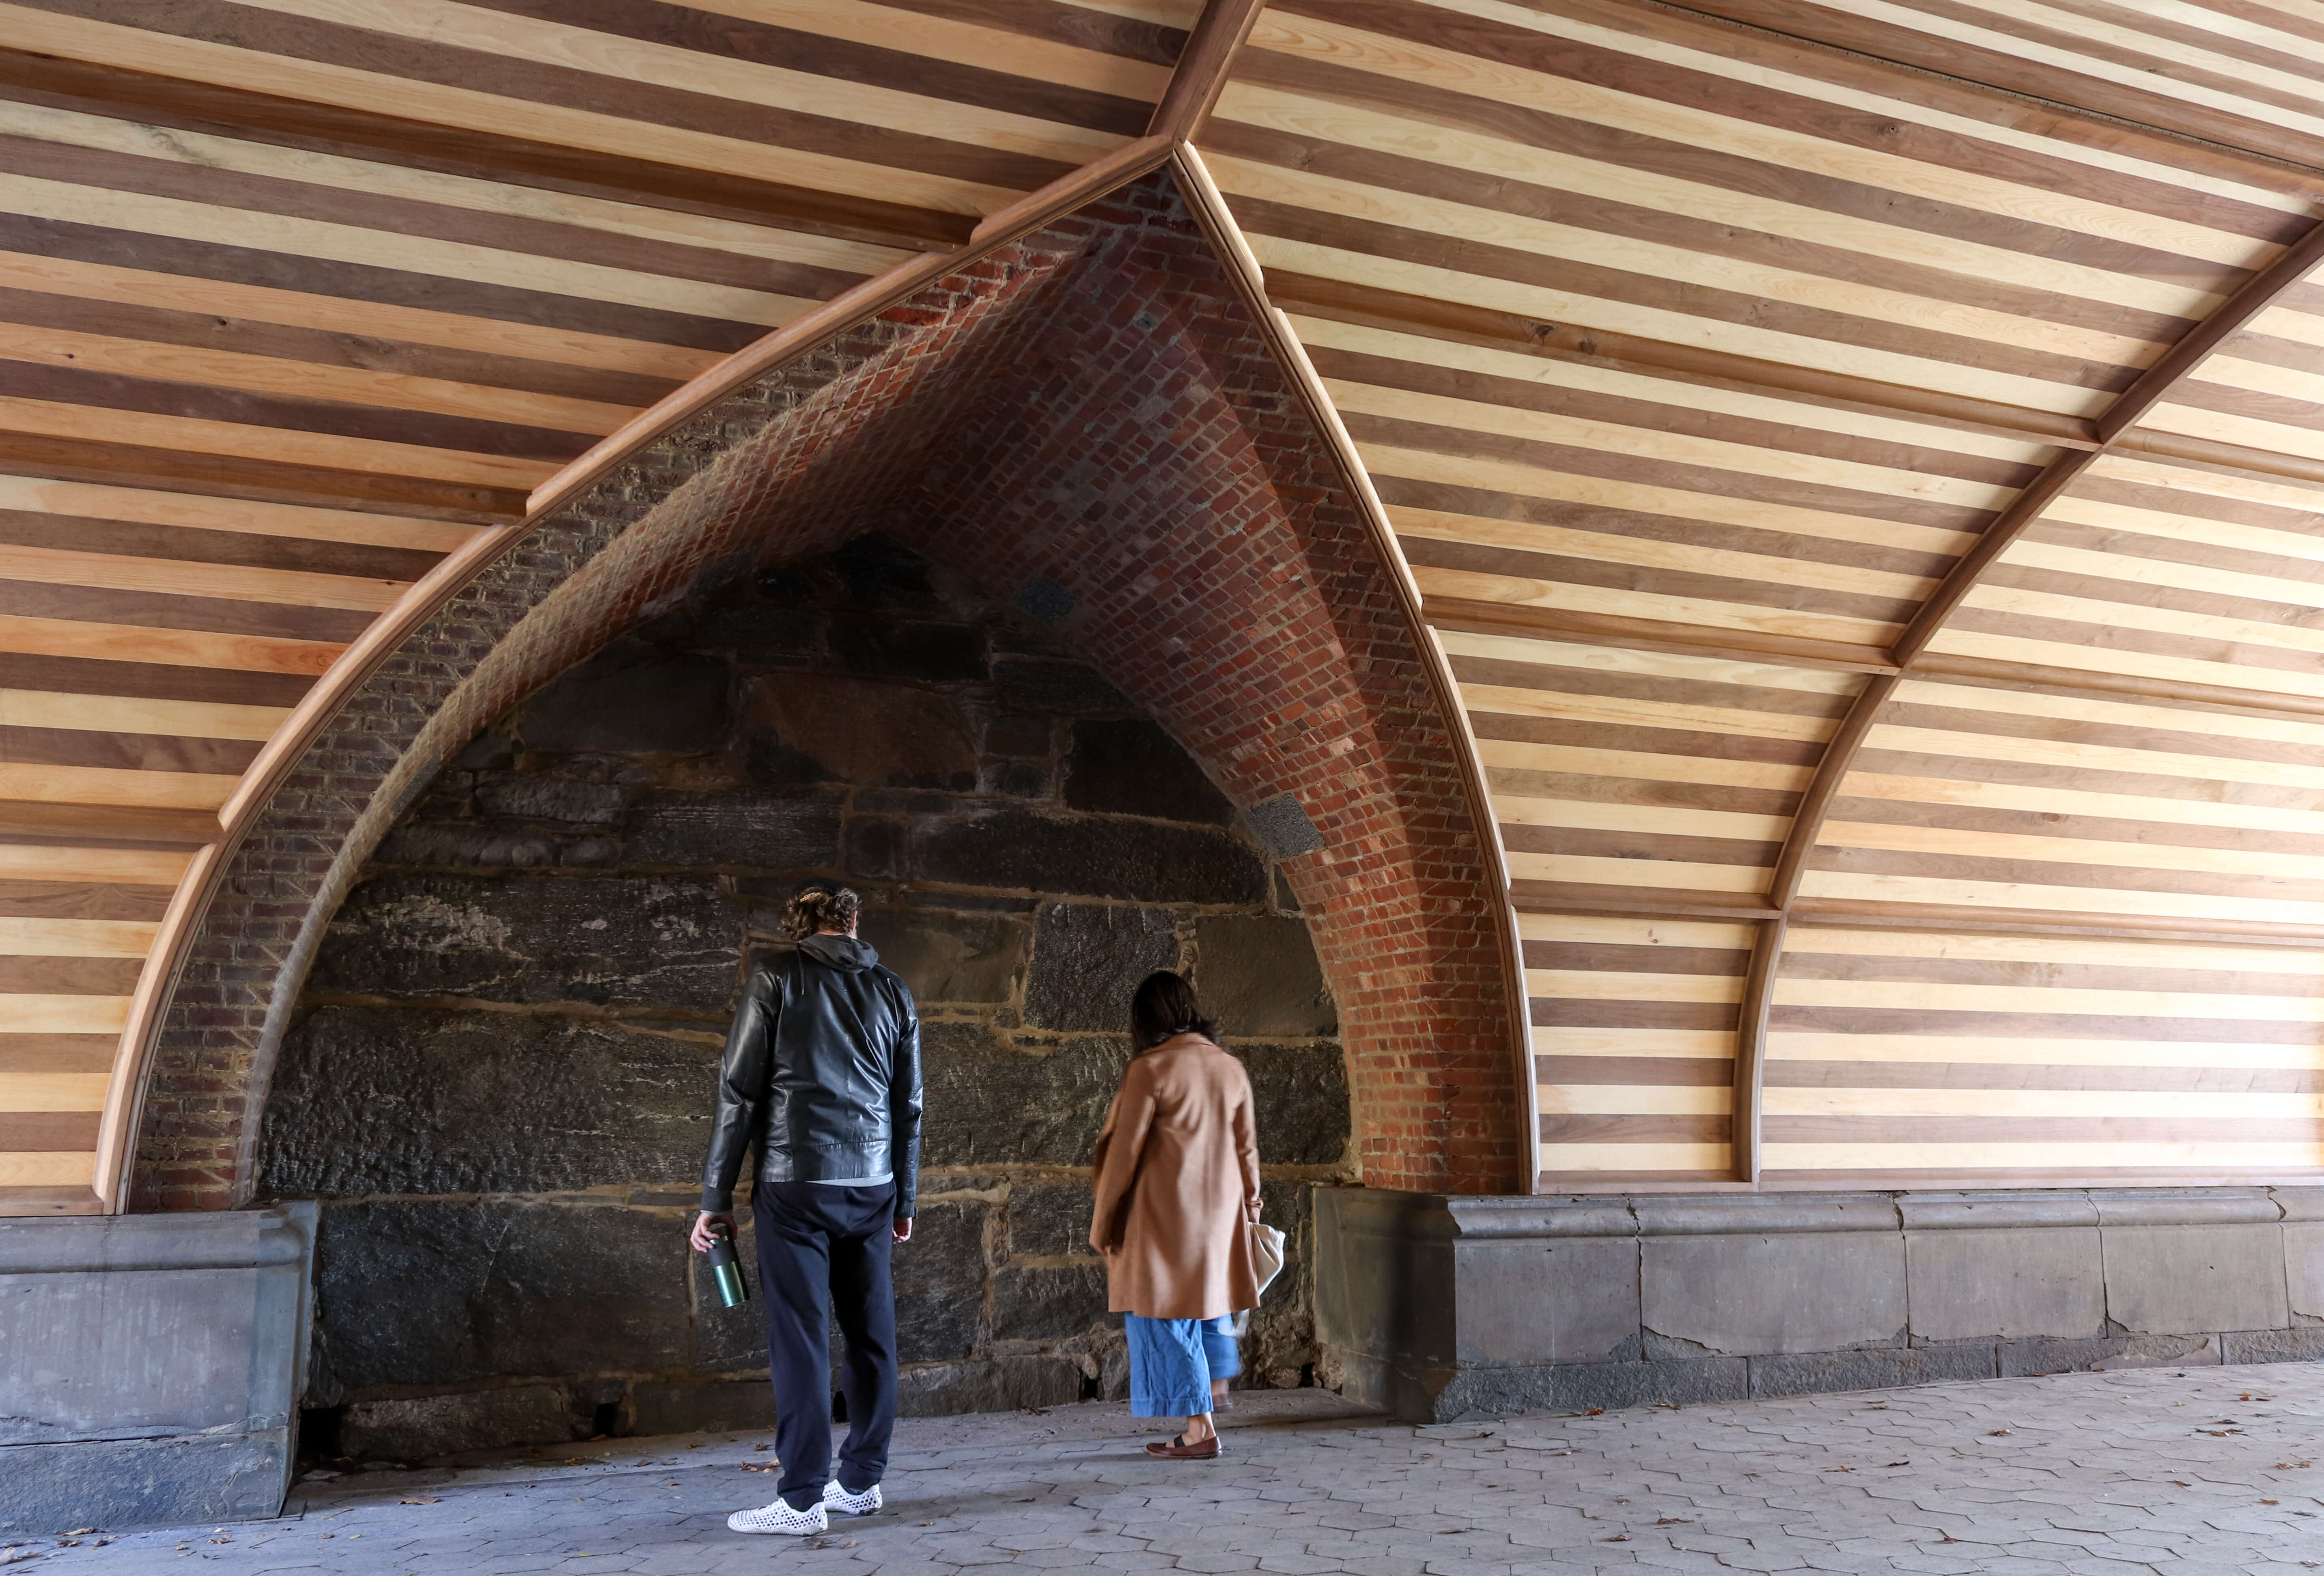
820, 906
1165, 1005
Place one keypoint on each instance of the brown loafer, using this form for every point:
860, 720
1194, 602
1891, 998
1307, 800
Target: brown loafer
1177, 1450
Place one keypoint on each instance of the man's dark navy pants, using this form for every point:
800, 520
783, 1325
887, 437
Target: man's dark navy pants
824, 1251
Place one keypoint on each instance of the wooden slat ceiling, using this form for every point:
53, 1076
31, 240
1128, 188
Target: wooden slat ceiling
1691, 360
296, 296
1897, 675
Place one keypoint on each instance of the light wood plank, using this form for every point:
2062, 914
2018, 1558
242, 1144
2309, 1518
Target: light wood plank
108, 713
2050, 1153
1969, 746
1617, 1158
2227, 959
43, 637
1638, 873
992, 49
1633, 1099
61, 1014
2134, 664
1635, 930
94, 785
42, 1168
1596, 816
51, 1091
1520, 592
1697, 768
2110, 712
1621, 711
2041, 1102
2014, 1051
177, 293
2062, 1001
467, 109
1607, 985
176, 577
198, 512
2021, 895
75, 938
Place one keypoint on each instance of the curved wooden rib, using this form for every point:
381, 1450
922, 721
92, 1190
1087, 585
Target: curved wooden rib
1209, 208
1751, 1047
2154, 386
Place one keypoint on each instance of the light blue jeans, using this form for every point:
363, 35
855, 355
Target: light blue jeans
1172, 1362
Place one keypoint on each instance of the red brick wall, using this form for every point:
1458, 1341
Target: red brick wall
1017, 419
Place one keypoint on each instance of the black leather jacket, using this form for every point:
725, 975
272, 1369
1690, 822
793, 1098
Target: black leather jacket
822, 1071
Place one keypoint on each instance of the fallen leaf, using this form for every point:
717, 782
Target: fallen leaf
1998, 1433
423, 1499
80, 1532
1675, 1521
2267, 1502
1593, 1412
1619, 1537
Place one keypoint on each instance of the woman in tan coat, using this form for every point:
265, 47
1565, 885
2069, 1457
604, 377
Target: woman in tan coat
1178, 1187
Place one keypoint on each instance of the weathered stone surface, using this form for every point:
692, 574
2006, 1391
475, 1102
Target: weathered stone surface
1142, 862
1049, 1303
862, 731
758, 633
2303, 1268
2039, 1280
735, 830
1088, 959
1299, 1099
988, 1104
2300, 1343
125, 1484
418, 1294
2020, 1358
2171, 1280
629, 698
657, 1406
1041, 684
1005, 1384
424, 1427
1735, 1295
1812, 1373
470, 844
1534, 1302
1258, 977
1612, 1385
937, 652
1051, 1219
948, 957
519, 796
1028, 735
370, 1101
1132, 767
601, 940
939, 1282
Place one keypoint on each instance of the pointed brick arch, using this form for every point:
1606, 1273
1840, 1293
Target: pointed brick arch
1091, 408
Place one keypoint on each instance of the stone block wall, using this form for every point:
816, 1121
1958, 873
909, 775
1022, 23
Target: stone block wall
499, 1078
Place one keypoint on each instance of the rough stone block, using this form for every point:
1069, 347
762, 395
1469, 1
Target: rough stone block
940, 1276
829, 728
1001, 1383
1534, 1303
123, 1485
2171, 1280
421, 1428
781, 635
1047, 1303
657, 1406
2008, 1284
1578, 1387
422, 1294
948, 957
604, 941
1137, 860
523, 796
1299, 1102
2300, 1343
988, 1104
1812, 1373
1052, 1221
1042, 684
1260, 978
1021, 735
470, 846
1743, 1295
1088, 959
735, 830
1131, 767
2025, 1359
630, 699
371, 1099
937, 653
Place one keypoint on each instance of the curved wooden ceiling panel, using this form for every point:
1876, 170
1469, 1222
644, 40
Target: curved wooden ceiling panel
1734, 398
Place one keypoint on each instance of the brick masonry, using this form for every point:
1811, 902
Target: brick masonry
1087, 419
498, 1077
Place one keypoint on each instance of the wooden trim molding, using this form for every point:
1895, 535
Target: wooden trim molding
1211, 211
1751, 1047
1203, 65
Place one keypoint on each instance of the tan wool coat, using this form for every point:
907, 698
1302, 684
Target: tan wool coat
1178, 1181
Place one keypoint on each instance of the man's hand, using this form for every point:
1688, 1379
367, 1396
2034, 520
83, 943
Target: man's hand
702, 1236
903, 1228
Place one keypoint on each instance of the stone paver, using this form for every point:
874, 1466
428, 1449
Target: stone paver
2163, 1472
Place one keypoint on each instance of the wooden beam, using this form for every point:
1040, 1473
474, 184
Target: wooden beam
1203, 65
1867, 914
1993, 673
1751, 1045
1209, 208
1646, 635
1815, 802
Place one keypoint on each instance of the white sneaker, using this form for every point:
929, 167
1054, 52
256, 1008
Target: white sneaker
779, 1518
840, 1500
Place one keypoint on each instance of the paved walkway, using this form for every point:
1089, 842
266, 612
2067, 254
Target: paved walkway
2182, 1472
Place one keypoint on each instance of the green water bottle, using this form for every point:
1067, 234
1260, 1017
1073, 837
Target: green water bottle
726, 1268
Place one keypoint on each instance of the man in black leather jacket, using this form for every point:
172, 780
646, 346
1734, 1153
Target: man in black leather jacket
822, 1072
